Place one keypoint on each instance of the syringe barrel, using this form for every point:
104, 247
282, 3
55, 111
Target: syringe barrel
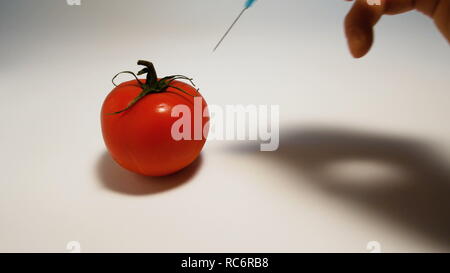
249, 3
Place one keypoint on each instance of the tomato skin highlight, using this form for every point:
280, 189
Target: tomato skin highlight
139, 139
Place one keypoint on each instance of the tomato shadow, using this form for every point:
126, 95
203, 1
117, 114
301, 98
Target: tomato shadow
416, 199
115, 178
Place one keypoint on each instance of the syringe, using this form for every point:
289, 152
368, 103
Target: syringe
248, 4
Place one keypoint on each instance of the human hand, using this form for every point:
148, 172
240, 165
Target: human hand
363, 17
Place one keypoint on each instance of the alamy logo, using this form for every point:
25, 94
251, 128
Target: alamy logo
231, 122
73, 2
73, 247
374, 247
374, 2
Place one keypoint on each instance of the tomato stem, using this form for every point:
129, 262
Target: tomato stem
152, 77
152, 84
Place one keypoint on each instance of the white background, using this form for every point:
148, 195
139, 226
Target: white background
364, 150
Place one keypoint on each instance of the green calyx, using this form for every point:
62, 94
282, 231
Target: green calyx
152, 84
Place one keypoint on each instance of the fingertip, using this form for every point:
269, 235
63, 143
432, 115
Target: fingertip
359, 24
359, 40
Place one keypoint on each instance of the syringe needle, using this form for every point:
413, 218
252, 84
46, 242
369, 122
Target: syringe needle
229, 29
248, 4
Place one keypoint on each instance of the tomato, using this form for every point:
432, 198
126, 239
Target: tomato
137, 127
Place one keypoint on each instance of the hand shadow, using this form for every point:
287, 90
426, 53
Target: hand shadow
418, 200
117, 179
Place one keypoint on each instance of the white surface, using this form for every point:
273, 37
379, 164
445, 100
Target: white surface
58, 185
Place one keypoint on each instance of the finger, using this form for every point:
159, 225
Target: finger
441, 17
427, 6
399, 6
359, 24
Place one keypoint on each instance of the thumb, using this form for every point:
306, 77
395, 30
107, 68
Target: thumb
359, 24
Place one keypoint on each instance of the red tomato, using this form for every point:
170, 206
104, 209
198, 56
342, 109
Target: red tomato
139, 138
